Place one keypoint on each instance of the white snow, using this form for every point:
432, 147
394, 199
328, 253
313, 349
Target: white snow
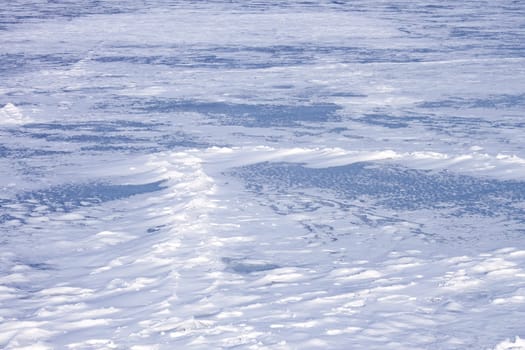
12, 115
517, 344
288, 175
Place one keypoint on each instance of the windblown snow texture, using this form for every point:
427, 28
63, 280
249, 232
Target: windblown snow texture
262, 175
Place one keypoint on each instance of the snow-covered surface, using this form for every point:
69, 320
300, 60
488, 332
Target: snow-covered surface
10, 114
251, 175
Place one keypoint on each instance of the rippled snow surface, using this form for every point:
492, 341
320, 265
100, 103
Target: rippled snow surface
262, 175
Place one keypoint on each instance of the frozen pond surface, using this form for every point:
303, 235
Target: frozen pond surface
250, 175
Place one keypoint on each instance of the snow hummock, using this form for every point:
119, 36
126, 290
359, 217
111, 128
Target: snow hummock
11, 114
517, 344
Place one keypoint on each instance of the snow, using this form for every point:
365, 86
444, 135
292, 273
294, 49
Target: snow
11, 114
518, 343
285, 175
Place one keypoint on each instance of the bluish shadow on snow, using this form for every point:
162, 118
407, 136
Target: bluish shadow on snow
391, 186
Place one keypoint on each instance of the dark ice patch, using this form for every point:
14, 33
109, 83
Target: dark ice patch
180, 140
12, 63
18, 12
95, 126
391, 186
258, 115
99, 136
68, 197
490, 102
246, 266
385, 121
21, 153
258, 57
458, 126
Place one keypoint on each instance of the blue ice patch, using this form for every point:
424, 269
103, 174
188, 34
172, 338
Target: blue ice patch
248, 115
391, 186
70, 196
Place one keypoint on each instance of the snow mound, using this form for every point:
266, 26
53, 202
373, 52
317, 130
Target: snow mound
517, 344
11, 114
